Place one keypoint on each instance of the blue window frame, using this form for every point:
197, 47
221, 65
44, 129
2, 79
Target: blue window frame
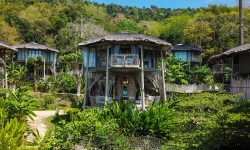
92, 57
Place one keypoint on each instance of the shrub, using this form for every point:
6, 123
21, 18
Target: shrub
11, 133
19, 103
48, 99
156, 121
15, 106
88, 129
107, 129
126, 115
202, 74
66, 83
206, 121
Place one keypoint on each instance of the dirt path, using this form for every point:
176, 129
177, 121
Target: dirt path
39, 121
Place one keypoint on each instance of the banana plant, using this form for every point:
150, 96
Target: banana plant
16, 74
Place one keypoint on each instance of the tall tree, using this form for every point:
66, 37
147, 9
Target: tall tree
241, 22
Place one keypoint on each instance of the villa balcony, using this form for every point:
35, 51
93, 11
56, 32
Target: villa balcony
222, 68
125, 60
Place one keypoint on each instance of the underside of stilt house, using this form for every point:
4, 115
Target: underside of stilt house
5, 50
124, 66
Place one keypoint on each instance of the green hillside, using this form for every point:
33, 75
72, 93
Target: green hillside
58, 23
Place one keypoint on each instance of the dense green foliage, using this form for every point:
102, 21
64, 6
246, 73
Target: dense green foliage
198, 121
87, 128
109, 128
58, 23
16, 74
66, 83
178, 72
210, 121
156, 121
14, 110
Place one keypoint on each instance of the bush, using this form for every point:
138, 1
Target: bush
156, 121
11, 132
202, 74
197, 121
48, 99
15, 106
109, 128
88, 129
19, 103
66, 83
206, 121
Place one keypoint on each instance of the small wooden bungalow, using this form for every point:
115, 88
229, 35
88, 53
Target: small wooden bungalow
33, 49
124, 66
187, 53
237, 62
5, 49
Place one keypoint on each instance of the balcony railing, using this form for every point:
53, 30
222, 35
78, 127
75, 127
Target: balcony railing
222, 68
196, 59
125, 60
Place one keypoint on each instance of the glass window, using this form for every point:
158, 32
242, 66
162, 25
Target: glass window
19, 55
115, 49
182, 55
92, 58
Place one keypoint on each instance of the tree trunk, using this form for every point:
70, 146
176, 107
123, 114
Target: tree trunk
35, 84
241, 22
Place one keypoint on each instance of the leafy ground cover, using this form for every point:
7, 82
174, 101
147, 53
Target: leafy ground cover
198, 121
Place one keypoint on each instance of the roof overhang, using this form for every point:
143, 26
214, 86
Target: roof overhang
126, 37
34, 45
7, 48
233, 51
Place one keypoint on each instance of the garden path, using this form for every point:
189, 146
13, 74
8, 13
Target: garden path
39, 121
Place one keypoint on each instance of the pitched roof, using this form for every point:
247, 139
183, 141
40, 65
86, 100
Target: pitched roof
235, 50
181, 47
238, 49
34, 45
126, 37
5, 46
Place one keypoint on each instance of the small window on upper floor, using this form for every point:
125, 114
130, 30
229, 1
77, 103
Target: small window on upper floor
125, 49
149, 59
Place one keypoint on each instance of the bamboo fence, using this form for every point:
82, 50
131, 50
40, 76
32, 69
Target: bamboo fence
241, 86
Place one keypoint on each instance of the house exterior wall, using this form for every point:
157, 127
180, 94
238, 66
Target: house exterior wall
23, 54
95, 72
240, 81
244, 63
187, 56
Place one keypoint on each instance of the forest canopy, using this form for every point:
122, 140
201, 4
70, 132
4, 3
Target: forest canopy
64, 23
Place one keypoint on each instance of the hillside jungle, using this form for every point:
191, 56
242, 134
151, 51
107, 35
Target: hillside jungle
209, 120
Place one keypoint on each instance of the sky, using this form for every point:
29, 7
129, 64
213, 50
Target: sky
169, 3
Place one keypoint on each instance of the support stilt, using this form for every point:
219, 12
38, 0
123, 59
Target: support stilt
142, 80
107, 74
86, 78
163, 77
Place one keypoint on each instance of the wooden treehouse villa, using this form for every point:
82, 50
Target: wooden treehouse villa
235, 62
5, 50
124, 66
187, 53
49, 55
